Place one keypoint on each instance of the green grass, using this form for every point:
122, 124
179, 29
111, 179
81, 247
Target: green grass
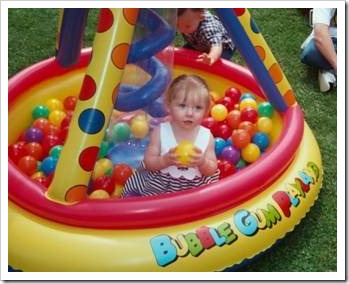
312, 246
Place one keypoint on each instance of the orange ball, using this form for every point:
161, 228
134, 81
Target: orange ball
250, 127
233, 119
240, 138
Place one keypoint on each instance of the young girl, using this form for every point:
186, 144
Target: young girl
187, 101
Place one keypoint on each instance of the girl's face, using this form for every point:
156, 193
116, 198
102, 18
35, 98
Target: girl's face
189, 21
188, 110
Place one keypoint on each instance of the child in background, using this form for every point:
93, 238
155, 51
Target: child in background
187, 101
204, 32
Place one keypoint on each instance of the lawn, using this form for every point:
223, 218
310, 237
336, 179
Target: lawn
312, 246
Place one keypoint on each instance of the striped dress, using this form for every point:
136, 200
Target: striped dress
171, 179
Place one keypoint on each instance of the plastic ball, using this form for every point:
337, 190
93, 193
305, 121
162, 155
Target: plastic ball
55, 151
219, 112
56, 117
50, 141
54, 104
250, 127
261, 140
99, 194
184, 149
221, 130
34, 149
48, 165
227, 102
220, 143
233, 118
265, 109
41, 123
103, 149
241, 164
104, 182
121, 131
17, 151
248, 103
121, 173
28, 165
139, 128
33, 134
234, 94
247, 96
225, 168
117, 190
249, 114
230, 154
209, 122
240, 138
102, 167
40, 111
40, 178
265, 124
69, 102
250, 153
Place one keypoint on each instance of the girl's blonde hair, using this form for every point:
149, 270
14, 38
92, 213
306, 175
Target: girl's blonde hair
190, 85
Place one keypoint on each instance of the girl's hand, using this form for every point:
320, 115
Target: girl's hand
170, 158
197, 159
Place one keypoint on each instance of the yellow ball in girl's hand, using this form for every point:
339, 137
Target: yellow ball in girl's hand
184, 149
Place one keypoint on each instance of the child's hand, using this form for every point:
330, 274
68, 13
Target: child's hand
197, 158
170, 158
205, 58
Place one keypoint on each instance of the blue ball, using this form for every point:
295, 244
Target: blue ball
220, 143
247, 96
261, 140
48, 165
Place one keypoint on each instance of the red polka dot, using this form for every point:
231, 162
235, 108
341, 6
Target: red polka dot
88, 88
106, 20
119, 55
131, 15
88, 158
239, 11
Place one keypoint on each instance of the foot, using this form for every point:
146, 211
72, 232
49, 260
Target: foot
327, 80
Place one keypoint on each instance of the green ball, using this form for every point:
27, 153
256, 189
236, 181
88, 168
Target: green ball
103, 150
121, 131
56, 151
40, 111
265, 109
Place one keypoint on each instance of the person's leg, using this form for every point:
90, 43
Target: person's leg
310, 55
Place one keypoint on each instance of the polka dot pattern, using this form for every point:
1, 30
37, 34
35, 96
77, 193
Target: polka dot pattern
266, 56
95, 104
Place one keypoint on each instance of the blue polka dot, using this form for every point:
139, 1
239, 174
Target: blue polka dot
254, 27
91, 121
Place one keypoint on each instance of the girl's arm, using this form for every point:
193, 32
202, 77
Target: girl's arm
212, 56
207, 163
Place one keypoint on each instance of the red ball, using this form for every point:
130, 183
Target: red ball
104, 182
209, 122
227, 102
17, 151
234, 94
249, 114
226, 168
121, 173
222, 130
49, 141
35, 149
28, 165
42, 123
70, 102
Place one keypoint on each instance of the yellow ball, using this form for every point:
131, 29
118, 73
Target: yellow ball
248, 103
103, 166
250, 153
54, 104
56, 117
117, 190
99, 194
184, 150
139, 127
219, 112
265, 124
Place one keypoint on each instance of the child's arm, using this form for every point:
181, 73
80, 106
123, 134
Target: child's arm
212, 56
152, 159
